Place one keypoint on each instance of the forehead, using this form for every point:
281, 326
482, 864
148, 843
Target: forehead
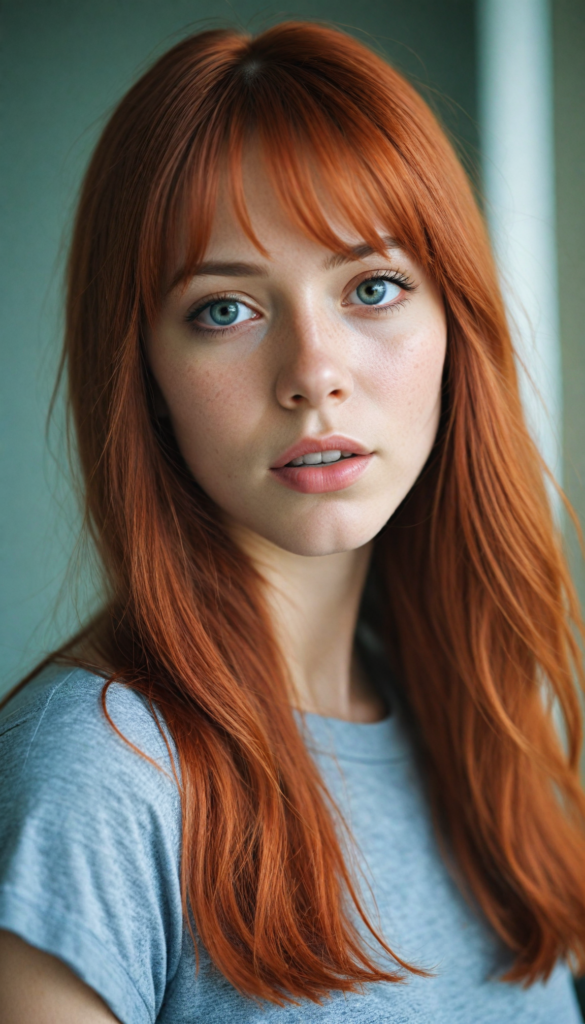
230, 252
275, 211
255, 219
256, 209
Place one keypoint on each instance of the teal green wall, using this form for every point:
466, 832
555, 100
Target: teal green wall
64, 64
569, 99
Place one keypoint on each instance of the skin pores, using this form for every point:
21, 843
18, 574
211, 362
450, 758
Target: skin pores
264, 352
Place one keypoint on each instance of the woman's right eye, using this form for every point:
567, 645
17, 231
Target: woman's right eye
220, 314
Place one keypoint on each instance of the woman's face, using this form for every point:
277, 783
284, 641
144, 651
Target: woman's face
301, 355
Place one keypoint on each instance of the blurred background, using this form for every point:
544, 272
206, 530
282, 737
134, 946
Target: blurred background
507, 80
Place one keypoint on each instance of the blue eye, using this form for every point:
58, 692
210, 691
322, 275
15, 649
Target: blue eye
224, 313
221, 313
376, 291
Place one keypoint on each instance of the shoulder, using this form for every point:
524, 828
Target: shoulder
56, 725
111, 777
90, 835
62, 759
72, 699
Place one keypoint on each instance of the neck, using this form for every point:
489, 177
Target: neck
314, 604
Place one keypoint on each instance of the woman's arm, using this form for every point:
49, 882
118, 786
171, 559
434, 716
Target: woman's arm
36, 988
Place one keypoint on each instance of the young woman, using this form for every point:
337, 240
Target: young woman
303, 765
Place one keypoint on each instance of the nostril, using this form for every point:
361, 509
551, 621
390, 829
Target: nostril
297, 399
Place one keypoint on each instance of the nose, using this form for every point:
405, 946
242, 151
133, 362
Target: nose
313, 371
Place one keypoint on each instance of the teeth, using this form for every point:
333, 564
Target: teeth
316, 458
313, 458
332, 456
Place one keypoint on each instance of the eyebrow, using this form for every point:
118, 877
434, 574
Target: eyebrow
219, 268
358, 252
225, 268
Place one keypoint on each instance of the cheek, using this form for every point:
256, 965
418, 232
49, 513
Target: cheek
406, 378
214, 411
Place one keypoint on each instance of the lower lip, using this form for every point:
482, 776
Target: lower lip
335, 476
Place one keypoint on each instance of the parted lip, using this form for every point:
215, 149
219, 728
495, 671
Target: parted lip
336, 442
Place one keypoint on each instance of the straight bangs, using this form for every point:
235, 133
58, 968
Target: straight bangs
334, 153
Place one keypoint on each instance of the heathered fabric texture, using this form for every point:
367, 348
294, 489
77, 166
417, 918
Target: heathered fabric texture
89, 870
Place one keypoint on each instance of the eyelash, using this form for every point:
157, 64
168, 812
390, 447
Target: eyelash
406, 283
192, 315
394, 276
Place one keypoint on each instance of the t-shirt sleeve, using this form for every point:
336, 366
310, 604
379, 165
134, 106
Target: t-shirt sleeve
90, 840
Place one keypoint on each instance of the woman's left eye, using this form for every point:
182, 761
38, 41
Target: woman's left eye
221, 313
375, 291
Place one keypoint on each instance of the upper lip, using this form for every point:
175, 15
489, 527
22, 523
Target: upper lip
336, 442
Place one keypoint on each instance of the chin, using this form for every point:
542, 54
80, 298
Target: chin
326, 532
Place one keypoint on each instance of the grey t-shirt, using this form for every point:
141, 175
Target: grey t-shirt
89, 870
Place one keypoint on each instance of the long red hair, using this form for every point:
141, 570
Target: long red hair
480, 613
